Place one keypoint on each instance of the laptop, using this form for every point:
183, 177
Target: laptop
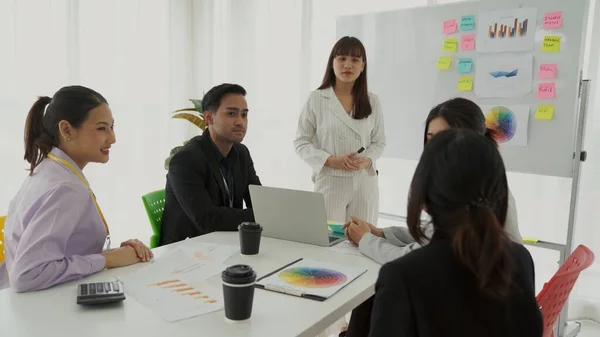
292, 215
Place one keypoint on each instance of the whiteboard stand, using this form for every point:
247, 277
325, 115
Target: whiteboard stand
562, 327
579, 156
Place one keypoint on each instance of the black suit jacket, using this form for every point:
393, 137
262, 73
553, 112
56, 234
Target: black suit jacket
428, 293
196, 202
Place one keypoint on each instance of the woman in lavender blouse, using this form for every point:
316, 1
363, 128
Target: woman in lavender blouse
55, 231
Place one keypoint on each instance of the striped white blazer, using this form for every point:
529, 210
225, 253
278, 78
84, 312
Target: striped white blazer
325, 129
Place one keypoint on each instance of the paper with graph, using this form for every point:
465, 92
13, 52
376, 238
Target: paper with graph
509, 122
504, 76
313, 277
174, 286
511, 30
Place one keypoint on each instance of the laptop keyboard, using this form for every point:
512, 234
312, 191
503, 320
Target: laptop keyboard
333, 238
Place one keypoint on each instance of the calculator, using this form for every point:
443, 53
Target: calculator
100, 292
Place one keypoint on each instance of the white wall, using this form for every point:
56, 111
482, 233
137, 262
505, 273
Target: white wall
134, 53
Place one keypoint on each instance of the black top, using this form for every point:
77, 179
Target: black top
429, 293
196, 199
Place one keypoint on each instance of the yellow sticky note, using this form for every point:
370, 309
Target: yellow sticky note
551, 44
530, 240
465, 83
450, 45
444, 62
544, 112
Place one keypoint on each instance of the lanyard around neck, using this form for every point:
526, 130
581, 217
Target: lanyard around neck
229, 194
87, 185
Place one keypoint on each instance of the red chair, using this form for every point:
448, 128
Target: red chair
556, 292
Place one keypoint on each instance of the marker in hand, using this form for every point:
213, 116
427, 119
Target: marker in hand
360, 150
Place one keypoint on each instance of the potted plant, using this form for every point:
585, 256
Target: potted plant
195, 116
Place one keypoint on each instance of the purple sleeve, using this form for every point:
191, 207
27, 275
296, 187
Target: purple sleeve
41, 258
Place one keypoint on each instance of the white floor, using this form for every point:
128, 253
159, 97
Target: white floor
589, 329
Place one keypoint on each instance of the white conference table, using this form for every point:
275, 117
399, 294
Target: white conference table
54, 312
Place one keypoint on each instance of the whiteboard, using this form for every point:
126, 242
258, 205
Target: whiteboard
403, 48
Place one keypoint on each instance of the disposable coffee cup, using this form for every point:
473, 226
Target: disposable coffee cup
250, 233
238, 291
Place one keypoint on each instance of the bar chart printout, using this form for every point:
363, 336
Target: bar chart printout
175, 286
506, 30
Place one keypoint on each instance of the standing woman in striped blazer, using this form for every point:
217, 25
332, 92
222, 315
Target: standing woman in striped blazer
341, 134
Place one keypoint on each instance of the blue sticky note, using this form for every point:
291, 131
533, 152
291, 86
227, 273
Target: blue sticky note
336, 227
465, 65
467, 22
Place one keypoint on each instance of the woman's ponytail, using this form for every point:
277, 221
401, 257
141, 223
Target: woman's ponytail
480, 244
38, 142
490, 134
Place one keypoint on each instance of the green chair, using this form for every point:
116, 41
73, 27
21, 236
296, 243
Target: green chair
154, 203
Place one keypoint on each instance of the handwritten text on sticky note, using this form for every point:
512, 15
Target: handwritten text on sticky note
444, 62
548, 70
450, 45
465, 83
546, 90
465, 65
551, 44
449, 27
552, 20
467, 22
544, 112
467, 42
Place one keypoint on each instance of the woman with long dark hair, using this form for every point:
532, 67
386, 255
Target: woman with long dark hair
471, 279
55, 230
341, 135
387, 244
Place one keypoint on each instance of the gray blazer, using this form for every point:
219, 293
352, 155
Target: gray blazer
398, 241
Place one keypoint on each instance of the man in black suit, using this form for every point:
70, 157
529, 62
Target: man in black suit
208, 178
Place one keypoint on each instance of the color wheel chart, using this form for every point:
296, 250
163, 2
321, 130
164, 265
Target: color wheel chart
177, 287
503, 121
308, 277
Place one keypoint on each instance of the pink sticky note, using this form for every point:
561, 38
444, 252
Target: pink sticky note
450, 26
553, 20
547, 70
467, 42
546, 90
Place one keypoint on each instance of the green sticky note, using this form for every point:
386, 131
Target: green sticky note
465, 65
551, 44
450, 45
544, 112
465, 83
530, 240
444, 62
467, 22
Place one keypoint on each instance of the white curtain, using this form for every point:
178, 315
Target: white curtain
136, 53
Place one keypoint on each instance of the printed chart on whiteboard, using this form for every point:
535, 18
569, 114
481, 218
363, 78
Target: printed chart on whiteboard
506, 30
510, 123
504, 76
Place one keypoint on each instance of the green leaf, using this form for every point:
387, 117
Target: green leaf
173, 151
197, 105
192, 116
